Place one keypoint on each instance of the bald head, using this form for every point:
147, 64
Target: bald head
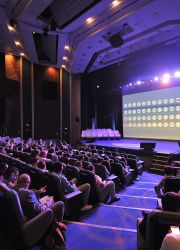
23, 181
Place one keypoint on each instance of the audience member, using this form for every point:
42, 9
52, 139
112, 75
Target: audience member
10, 176
70, 186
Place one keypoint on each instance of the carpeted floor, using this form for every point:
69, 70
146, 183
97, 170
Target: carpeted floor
114, 226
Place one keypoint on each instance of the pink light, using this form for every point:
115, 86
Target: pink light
165, 79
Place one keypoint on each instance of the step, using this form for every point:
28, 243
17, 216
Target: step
156, 171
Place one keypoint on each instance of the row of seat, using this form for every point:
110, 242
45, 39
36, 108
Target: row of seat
100, 133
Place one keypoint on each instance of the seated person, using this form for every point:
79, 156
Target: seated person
171, 242
3, 168
168, 171
42, 166
105, 189
10, 176
31, 205
71, 186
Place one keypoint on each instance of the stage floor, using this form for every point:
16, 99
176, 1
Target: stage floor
161, 146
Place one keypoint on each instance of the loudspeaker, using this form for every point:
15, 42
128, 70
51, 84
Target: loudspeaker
116, 40
148, 146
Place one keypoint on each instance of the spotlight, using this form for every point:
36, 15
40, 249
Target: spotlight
166, 78
156, 78
130, 84
177, 74
138, 82
45, 31
98, 86
12, 23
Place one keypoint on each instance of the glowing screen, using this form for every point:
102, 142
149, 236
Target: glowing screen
152, 114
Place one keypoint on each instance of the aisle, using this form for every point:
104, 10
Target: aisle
114, 226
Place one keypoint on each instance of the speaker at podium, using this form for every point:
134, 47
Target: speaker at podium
148, 146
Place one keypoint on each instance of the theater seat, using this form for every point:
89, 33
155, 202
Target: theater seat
155, 234
19, 233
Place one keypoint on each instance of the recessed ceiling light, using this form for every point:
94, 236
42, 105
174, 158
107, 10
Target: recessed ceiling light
66, 47
10, 28
89, 20
17, 43
63, 66
116, 3
22, 54
65, 58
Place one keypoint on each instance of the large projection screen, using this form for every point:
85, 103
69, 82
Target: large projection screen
152, 114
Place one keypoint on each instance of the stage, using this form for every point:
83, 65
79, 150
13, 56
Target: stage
169, 147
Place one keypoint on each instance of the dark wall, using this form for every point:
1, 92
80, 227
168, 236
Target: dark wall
10, 94
46, 111
27, 98
105, 102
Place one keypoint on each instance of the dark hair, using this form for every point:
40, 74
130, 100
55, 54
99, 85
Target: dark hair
3, 168
168, 170
58, 167
41, 165
9, 172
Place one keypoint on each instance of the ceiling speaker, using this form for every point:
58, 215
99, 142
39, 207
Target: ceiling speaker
116, 40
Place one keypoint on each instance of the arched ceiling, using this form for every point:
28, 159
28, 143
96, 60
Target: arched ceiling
44, 27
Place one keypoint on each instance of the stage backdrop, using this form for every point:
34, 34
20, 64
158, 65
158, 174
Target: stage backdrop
149, 112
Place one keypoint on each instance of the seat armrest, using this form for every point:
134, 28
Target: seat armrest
73, 194
112, 177
35, 228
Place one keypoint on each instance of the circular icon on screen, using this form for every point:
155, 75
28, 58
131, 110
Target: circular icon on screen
177, 108
129, 112
125, 105
138, 111
159, 117
171, 117
129, 105
130, 125
134, 104
177, 124
165, 101
159, 110
148, 103
171, 100
171, 124
177, 99
143, 124
160, 124
154, 102
143, 103
138, 104
154, 124
134, 118
125, 119
178, 117
130, 118
148, 110
154, 110
139, 118
149, 125
159, 102
143, 111
144, 118
165, 117
125, 112
148, 118
134, 124
171, 108
154, 117
165, 124
165, 109
134, 111
139, 124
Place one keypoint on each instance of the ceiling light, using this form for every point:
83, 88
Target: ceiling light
156, 78
166, 78
115, 3
17, 43
66, 47
177, 74
22, 54
65, 58
10, 28
89, 20
63, 66
12, 23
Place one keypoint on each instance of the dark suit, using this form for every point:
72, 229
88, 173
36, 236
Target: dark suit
31, 205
